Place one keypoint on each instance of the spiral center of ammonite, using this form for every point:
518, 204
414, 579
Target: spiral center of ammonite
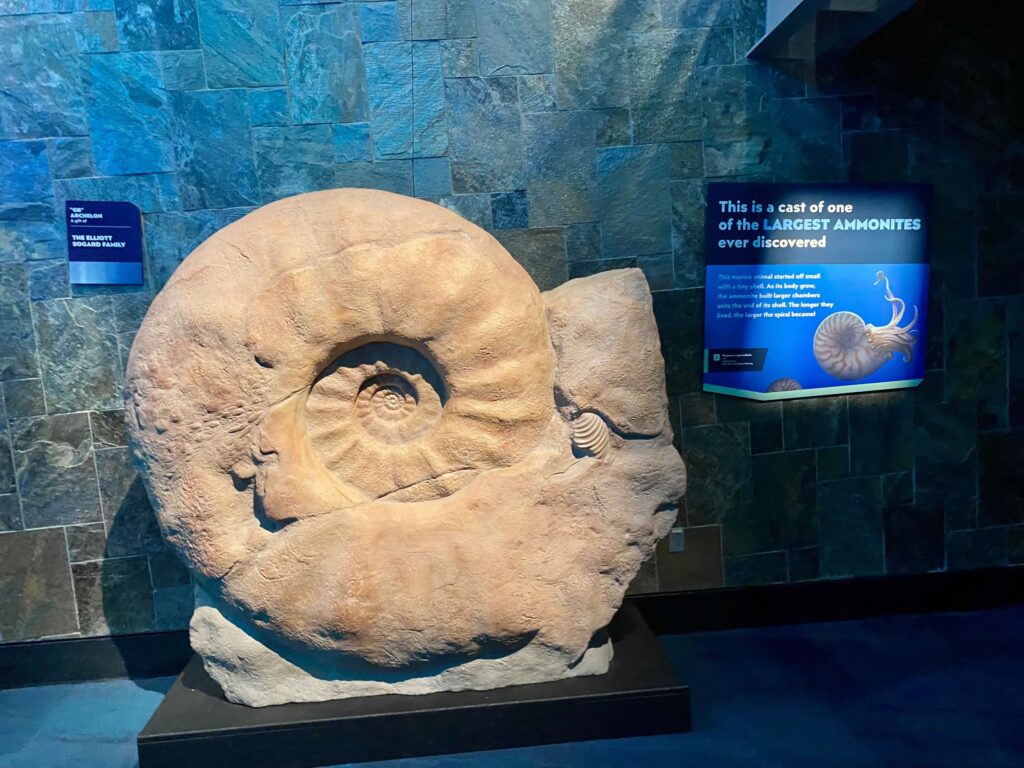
388, 396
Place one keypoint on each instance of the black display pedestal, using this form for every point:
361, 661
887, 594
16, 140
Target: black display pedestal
639, 696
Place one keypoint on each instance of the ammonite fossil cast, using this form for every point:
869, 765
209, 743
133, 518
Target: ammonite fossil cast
391, 463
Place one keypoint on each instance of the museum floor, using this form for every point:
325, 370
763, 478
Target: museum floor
939, 690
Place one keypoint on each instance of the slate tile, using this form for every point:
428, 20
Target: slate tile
806, 140
114, 596
148, 25
688, 204
509, 210
875, 156
697, 13
473, 208
293, 159
914, 537
10, 512
36, 583
898, 489
430, 120
459, 58
96, 32
739, 160
1001, 491
149, 192
48, 279
131, 524
851, 529
736, 103
441, 19
659, 271
591, 43
1015, 361
39, 78
213, 147
782, 512
8, 483
614, 127
431, 177
352, 143
1015, 538
687, 160
170, 237
815, 422
718, 470
130, 121
514, 38
541, 252
633, 193
803, 564
665, 85
976, 364
70, 157
24, 397
881, 433
326, 76
172, 608
583, 241
56, 471
166, 570
536, 93
731, 408
86, 542
765, 436
27, 208
752, 570
679, 315
697, 408
78, 353
579, 269
183, 70
698, 566
242, 43
389, 175
389, 69
379, 22
486, 139
977, 548
833, 463
561, 182
269, 106
108, 429
17, 342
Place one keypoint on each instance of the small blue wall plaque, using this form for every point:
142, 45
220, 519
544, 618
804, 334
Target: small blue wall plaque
104, 243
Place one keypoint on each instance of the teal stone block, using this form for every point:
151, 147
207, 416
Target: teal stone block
514, 38
48, 279
213, 145
96, 32
486, 138
541, 252
268, 106
430, 122
665, 85
561, 182
352, 143
154, 25
170, 237
293, 159
29, 218
388, 175
442, 19
40, 73
71, 157
17, 342
129, 117
697, 13
536, 93
379, 22
583, 241
183, 70
509, 210
325, 64
634, 196
389, 83
473, 208
432, 177
688, 232
149, 192
241, 42
459, 58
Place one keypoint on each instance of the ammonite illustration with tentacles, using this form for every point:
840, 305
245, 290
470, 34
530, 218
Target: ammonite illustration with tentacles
848, 348
391, 463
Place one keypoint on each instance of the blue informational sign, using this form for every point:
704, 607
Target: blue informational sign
104, 243
815, 289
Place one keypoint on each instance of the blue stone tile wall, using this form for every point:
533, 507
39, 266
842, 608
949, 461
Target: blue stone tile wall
582, 133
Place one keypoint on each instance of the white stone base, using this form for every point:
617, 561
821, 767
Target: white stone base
250, 673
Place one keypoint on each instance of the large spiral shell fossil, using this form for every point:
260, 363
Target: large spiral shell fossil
372, 441
848, 348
